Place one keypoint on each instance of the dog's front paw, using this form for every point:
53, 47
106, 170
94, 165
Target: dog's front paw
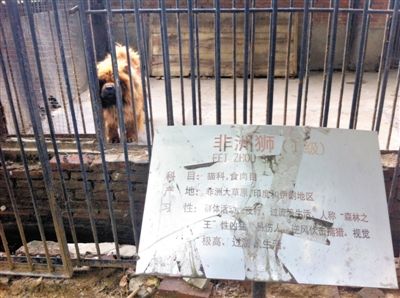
131, 138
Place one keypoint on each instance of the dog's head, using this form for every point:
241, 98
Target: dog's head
107, 86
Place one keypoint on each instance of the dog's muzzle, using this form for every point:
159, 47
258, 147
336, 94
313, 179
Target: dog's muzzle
108, 95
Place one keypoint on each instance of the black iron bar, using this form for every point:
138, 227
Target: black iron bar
16, 212
396, 94
86, 187
234, 64
331, 58
388, 61
303, 52
166, 65
381, 63
60, 85
10, 69
361, 50
362, 69
307, 74
128, 56
271, 61
192, 60
144, 74
394, 185
217, 62
147, 94
327, 46
140, 35
252, 53
198, 74
178, 26
288, 49
5, 245
74, 71
246, 58
346, 57
92, 30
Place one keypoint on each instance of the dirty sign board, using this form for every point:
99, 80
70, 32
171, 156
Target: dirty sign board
267, 203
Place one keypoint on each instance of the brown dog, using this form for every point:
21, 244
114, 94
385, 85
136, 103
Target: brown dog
109, 99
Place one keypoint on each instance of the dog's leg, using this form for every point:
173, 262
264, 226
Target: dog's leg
111, 125
113, 136
131, 135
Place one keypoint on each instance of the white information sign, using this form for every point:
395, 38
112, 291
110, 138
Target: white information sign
267, 203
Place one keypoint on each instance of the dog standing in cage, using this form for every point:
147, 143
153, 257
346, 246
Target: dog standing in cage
132, 106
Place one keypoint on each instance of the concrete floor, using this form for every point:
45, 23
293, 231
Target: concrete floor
366, 109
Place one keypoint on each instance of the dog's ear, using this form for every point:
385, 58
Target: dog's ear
125, 69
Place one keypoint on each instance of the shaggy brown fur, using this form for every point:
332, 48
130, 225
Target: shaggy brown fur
133, 123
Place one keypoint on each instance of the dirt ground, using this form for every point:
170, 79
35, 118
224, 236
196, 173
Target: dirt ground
115, 283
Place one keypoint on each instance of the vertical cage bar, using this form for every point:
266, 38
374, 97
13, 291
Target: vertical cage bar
146, 94
252, 53
178, 26
87, 189
303, 57
271, 61
144, 73
346, 56
327, 47
78, 92
16, 212
217, 34
288, 49
362, 71
396, 94
128, 56
360, 60
234, 63
166, 65
382, 61
198, 74
192, 60
17, 99
394, 184
307, 74
60, 85
89, 2
246, 58
388, 61
5, 246
331, 58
